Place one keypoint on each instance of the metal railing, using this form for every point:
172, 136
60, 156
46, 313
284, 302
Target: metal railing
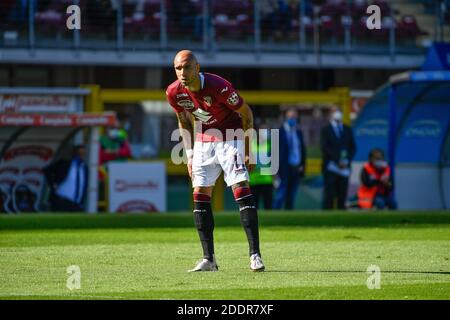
335, 26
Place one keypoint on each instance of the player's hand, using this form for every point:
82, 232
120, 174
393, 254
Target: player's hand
250, 166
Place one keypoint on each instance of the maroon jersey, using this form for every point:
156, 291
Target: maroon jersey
213, 105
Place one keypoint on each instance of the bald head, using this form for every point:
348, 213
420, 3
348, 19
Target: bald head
187, 69
185, 55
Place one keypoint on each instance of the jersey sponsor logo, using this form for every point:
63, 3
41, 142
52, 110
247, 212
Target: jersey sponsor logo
186, 104
184, 94
207, 100
224, 90
202, 115
233, 99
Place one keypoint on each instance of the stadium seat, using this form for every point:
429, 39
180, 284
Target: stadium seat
307, 22
333, 8
358, 8
327, 25
145, 22
385, 8
408, 28
387, 23
359, 29
51, 17
345, 22
233, 18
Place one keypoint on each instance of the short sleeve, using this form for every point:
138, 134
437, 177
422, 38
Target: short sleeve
230, 97
173, 103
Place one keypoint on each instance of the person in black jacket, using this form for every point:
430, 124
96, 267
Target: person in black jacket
68, 180
292, 161
338, 149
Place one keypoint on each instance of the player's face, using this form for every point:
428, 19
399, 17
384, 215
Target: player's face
186, 70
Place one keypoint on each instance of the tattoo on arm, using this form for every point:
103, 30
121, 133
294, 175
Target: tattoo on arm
247, 118
249, 122
185, 124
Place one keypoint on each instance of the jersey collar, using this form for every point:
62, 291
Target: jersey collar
202, 80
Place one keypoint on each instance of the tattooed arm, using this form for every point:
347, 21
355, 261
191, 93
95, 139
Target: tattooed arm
185, 124
247, 123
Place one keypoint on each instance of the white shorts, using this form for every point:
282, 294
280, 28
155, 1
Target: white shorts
210, 158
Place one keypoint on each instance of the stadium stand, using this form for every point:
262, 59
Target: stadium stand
156, 21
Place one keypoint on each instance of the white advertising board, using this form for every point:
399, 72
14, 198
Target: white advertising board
13, 103
137, 187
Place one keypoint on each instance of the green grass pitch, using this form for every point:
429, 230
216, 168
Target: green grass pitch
308, 255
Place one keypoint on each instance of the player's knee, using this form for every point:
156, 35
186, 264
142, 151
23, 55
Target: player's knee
203, 190
200, 197
242, 184
241, 192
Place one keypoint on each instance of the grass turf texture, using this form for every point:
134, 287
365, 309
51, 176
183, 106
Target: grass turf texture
308, 255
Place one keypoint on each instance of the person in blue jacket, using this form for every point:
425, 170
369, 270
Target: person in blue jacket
292, 161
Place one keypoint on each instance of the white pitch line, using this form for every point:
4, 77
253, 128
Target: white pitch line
11, 295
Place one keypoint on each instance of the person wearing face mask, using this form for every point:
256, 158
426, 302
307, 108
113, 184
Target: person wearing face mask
292, 161
338, 149
113, 147
262, 185
376, 187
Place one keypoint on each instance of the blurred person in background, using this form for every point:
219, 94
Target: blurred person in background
268, 10
114, 146
292, 161
284, 19
376, 186
276, 17
338, 149
139, 9
188, 19
68, 180
262, 185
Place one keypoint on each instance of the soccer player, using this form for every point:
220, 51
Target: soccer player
213, 104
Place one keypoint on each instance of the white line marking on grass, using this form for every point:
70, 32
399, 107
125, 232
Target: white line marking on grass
12, 295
